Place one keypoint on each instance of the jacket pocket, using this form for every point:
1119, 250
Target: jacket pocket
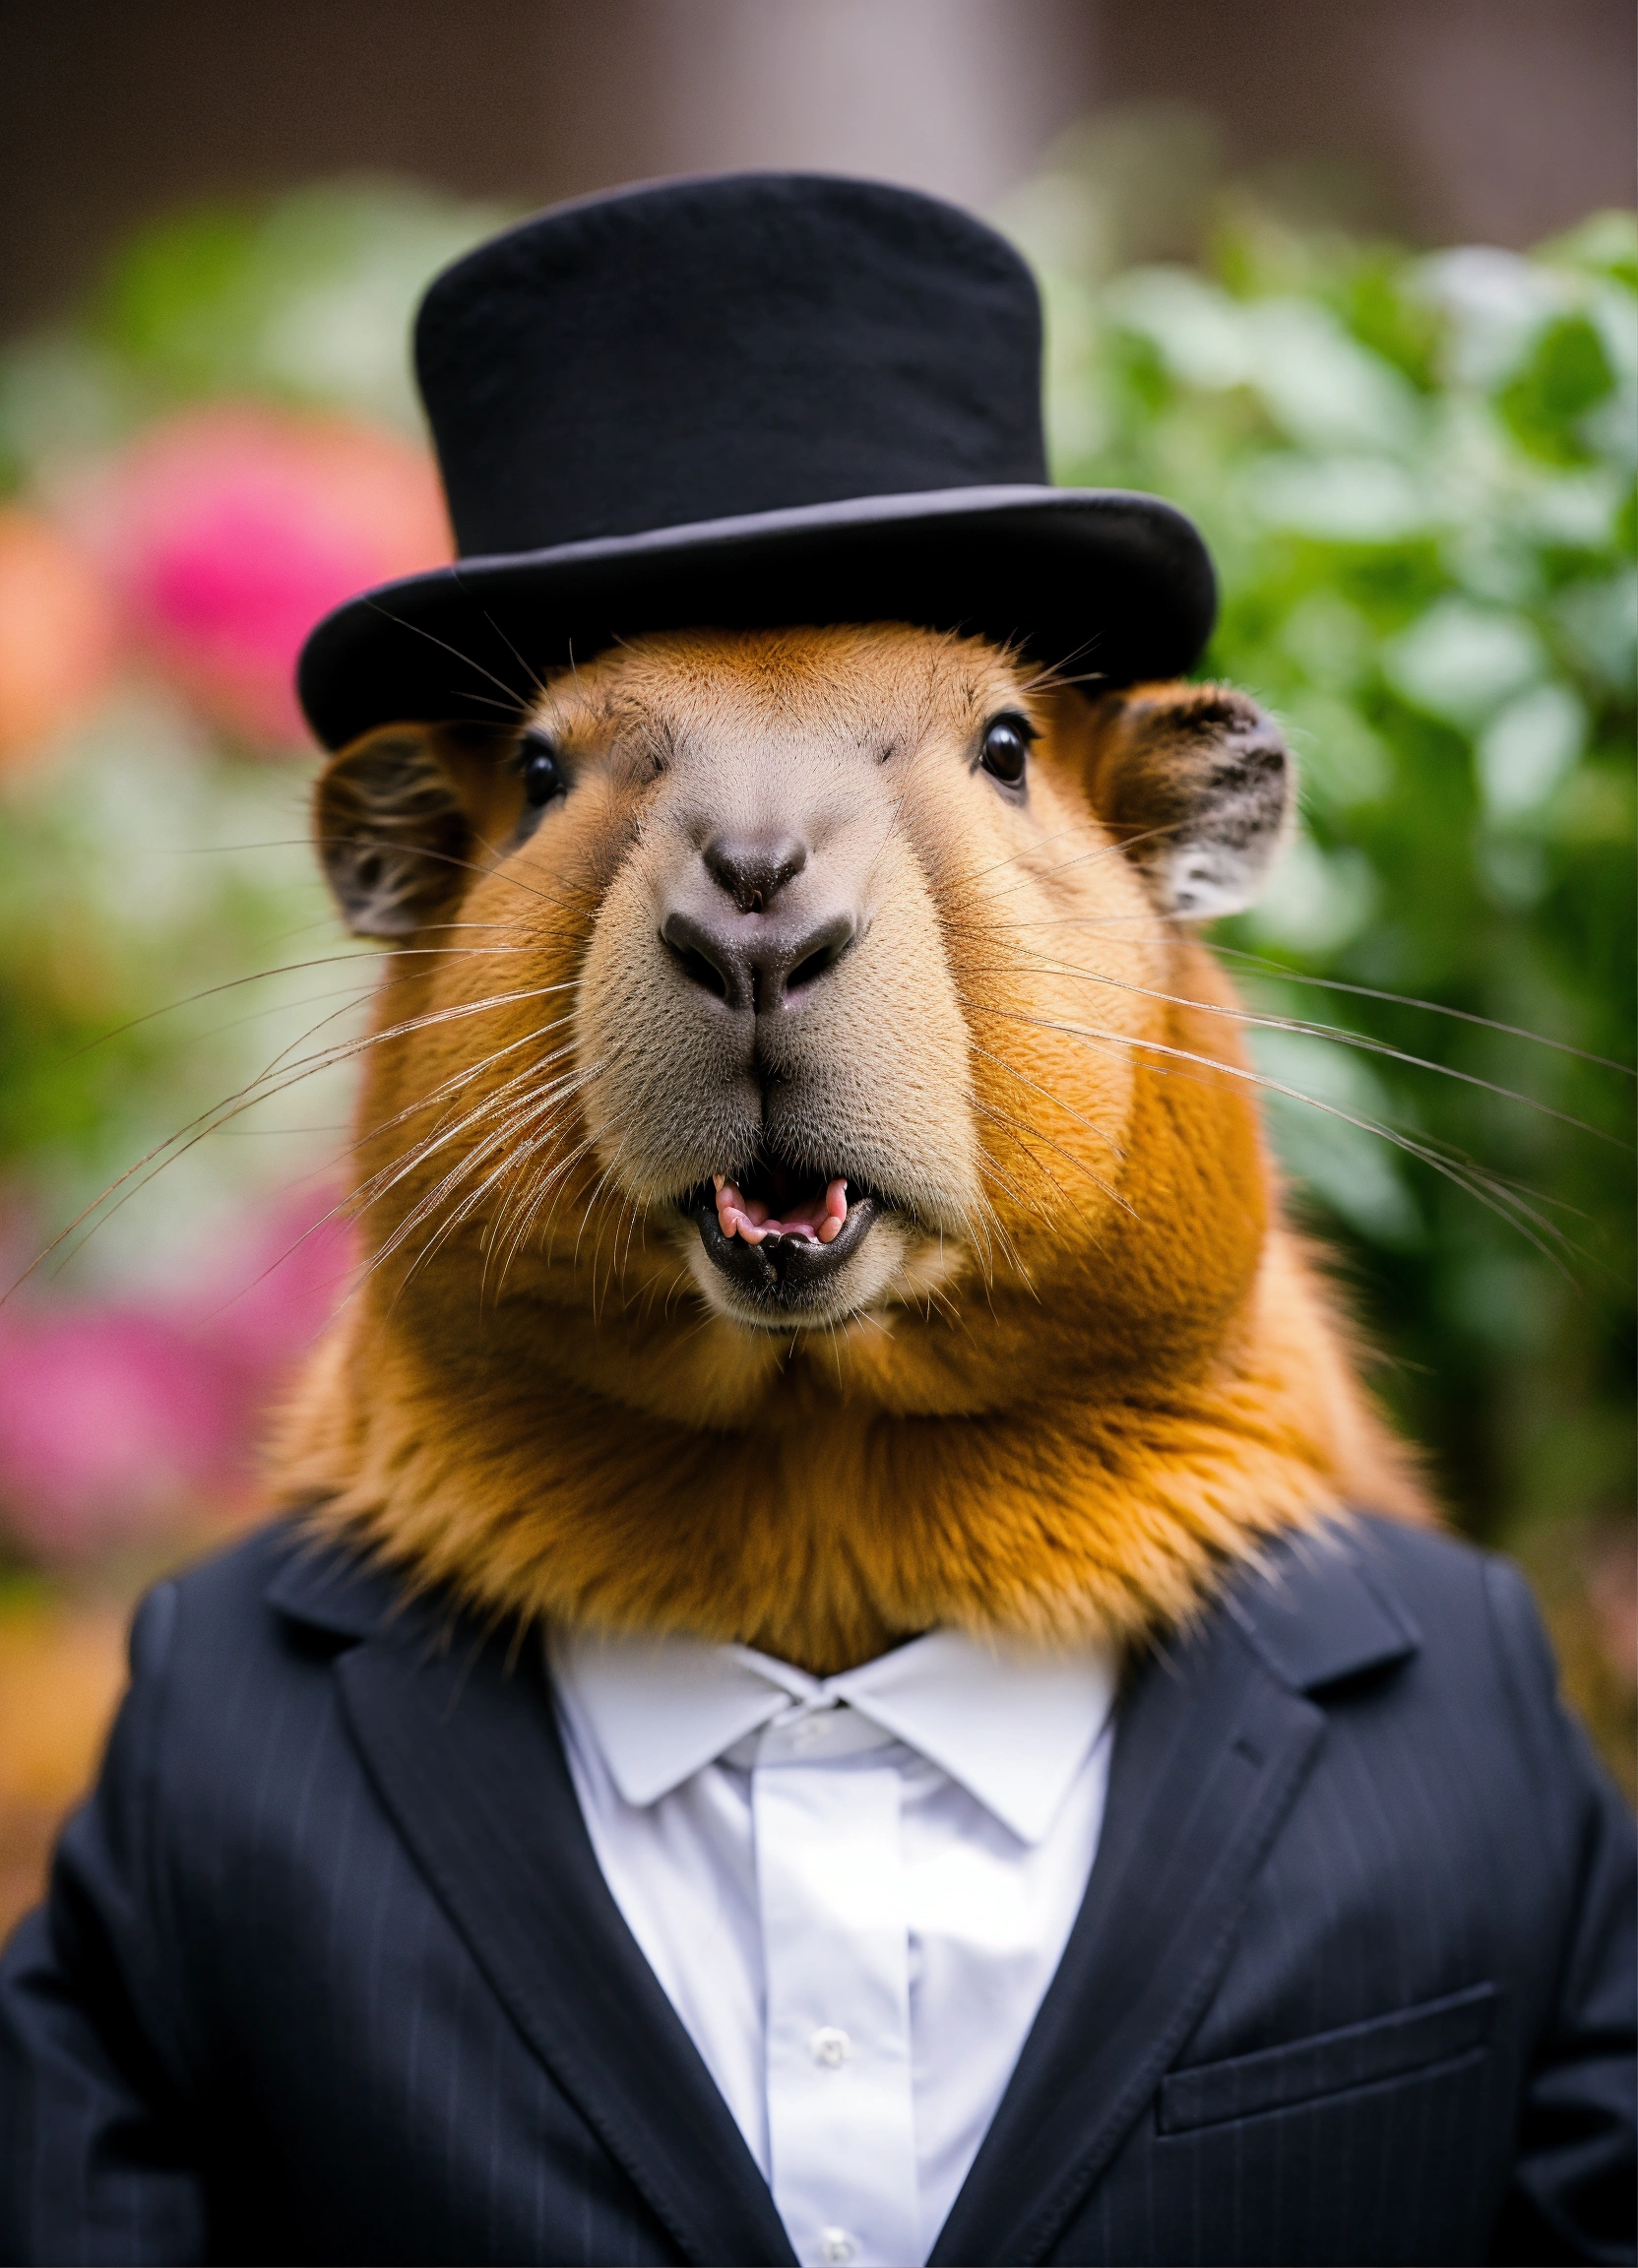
1327, 2062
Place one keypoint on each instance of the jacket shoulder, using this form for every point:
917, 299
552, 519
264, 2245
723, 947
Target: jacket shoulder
1428, 1567
1364, 1593
246, 1598
231, 1668
1467, 1602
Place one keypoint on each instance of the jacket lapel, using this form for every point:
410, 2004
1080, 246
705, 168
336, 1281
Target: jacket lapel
461, 1741
1208, 1756
1215, 1736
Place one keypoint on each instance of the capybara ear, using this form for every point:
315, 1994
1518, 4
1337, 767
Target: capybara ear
1195, 781
392, 829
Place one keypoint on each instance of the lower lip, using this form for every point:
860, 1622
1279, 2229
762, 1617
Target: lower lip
782, 1273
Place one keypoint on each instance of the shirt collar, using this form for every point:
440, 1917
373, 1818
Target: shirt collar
1013, 1726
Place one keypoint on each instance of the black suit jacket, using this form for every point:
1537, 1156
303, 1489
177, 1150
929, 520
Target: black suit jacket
328, 1971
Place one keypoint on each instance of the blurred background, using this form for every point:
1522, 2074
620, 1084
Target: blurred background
1355, 280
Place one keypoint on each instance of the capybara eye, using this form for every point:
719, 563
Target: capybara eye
542, 773
1006, 748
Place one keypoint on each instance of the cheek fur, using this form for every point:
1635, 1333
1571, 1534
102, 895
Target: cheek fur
1055, 951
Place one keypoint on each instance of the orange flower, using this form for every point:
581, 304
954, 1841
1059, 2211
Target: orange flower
57, 633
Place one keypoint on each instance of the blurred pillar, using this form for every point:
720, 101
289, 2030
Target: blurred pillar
956, 96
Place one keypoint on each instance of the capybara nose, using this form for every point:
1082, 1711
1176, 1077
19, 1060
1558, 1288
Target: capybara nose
754, 868
752, 962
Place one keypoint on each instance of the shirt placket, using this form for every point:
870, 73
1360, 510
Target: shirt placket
830, 1879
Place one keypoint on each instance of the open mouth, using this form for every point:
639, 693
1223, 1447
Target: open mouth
780, 1233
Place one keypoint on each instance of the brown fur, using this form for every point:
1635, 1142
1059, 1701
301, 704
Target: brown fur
1081, 1372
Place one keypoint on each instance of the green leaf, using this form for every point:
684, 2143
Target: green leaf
1567, 374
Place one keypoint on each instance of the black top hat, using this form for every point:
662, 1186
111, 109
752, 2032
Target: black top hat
746, 401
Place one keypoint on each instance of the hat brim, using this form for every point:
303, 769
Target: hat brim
1112, 583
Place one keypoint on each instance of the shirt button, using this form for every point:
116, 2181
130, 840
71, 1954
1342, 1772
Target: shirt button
835, 2245
831, 2046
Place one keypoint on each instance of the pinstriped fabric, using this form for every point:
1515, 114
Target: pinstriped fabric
1417, 1864
329, 1973
339, 2062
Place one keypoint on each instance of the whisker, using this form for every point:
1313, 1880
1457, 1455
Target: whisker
450, 1088
969, 882
276, 1079
387, 615
523, 1200
499, 872
1095, 850
1474, 1180
1433, 1007
345, 1051
1057, 1102
584, 1217
551, 1183
1020, 1131
1023, 1126
428, 1205
208, 991
380, 1185
533, 674
513, 709
1366, 1043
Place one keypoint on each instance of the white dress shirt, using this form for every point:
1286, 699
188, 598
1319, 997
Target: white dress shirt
855, 1892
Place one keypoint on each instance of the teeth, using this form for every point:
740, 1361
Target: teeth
836, 1212
747, 1216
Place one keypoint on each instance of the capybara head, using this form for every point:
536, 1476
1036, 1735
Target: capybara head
794, 1032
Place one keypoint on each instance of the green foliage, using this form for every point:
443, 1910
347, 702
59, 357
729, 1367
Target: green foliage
141, 861
308, 299
163, 937
1416, 476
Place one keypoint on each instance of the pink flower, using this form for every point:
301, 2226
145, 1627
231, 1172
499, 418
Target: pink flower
234, 529
124, 1421
111, 1422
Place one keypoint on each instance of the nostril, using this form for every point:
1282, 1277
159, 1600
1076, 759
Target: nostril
696, 966
701, 958
821, 953
757, 965
807, 971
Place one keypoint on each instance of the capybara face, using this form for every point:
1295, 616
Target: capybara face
809, 970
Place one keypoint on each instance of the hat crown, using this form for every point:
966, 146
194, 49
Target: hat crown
703, 348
